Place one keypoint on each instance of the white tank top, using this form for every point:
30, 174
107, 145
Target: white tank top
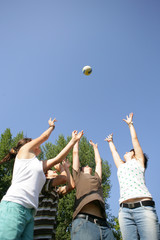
132, 181
27, 182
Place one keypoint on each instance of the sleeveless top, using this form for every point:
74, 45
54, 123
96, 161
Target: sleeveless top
132, 181
88, 189
27, 182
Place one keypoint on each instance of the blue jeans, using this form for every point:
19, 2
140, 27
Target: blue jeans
83, 229
142, 221
16, 222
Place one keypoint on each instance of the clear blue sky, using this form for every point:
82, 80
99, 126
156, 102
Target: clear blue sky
43, 48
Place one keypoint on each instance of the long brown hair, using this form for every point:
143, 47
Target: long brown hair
145, 158
13, 151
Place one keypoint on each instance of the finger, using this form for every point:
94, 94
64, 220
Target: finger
54, 120
81, 133
91, 142
131, 115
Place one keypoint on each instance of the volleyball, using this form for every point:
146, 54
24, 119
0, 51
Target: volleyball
87, 70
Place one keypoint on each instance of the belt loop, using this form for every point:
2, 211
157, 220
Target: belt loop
95, 220
87, 217
141, 204
122, 205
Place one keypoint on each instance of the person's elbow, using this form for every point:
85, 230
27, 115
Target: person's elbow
73, 186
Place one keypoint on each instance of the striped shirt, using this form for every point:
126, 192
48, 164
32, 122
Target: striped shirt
45, 219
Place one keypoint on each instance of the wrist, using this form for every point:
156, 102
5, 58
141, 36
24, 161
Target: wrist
95, 146
66, 169
129, 124
52, 126
75, 141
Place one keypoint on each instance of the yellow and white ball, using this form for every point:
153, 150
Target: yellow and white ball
87, 70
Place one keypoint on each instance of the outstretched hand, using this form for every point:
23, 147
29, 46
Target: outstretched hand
51, 122
93, 144
66, 163
129, 118
51, 174
109, 138
57, 167
77, 136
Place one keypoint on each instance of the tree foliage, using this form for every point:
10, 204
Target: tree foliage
66, 204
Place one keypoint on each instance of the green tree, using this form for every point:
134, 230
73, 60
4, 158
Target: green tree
115, 227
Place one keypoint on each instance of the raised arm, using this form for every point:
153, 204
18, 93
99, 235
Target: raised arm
98, 160
47, 164
117, 160
56, 179
28, 149
76, 163
70, 185
136, 145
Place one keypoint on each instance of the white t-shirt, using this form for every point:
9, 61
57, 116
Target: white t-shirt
27, 182
132, 181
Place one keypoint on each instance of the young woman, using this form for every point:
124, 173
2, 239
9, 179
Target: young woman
19, 204
137, 214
